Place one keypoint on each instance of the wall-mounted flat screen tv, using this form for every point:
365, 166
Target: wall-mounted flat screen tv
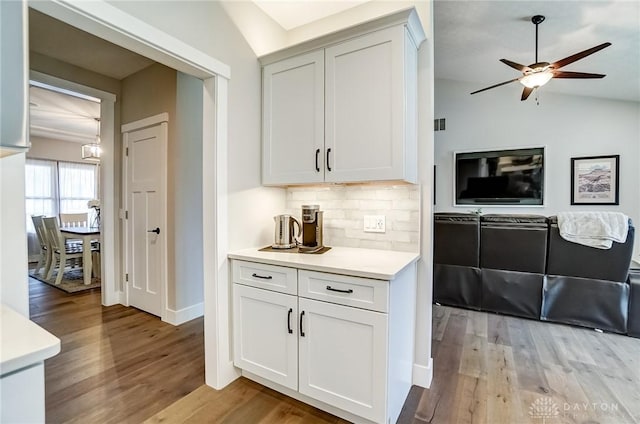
500, 177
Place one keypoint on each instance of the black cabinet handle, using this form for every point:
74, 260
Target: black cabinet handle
317, 165
268, 277
349, 291
289, 320
157, 231
301, 330
328, 164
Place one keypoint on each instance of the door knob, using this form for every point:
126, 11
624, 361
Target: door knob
157, 231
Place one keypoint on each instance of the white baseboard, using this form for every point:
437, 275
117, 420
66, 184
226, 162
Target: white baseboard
183, 315
422, 375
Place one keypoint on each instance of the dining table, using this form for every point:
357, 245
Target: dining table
87, 235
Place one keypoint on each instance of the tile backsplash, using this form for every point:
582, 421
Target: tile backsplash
345, 206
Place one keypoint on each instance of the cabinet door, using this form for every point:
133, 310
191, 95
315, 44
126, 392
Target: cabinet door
14, 71
343, 357
293, 120
265, 334
364, 107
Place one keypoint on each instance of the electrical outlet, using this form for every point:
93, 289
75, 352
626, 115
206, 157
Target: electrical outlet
374, 224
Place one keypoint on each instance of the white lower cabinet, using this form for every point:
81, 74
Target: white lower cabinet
343, 357
316, 343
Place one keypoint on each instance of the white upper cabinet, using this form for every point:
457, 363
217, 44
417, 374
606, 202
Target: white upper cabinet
345, 109
293, 120
14, 71
366, 106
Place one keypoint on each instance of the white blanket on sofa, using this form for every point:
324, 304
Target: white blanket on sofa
594, 229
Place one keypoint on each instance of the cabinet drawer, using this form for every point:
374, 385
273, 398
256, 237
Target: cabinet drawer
270, 277
359, 292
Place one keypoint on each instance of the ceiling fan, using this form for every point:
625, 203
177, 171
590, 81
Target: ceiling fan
538, 74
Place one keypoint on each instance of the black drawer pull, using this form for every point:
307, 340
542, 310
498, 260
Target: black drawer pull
268, 277
349, 291
317, 154
301, 330
289, 320
328, 165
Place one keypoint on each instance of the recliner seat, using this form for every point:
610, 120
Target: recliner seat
513, 252
456, 257
587, 286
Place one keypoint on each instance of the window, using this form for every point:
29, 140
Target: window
40, 189
76, 186
54, 187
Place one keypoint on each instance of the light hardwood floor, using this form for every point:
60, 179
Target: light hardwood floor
120, 365
497, 369
117, 364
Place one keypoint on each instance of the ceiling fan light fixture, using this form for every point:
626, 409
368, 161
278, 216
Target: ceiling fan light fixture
537, 79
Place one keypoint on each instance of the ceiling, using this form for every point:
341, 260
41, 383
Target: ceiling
63, 116
471, 36
53, 38
56, 114
292, 14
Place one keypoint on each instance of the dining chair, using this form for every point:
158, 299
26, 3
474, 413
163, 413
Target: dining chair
45, 250
74, 219
60, 251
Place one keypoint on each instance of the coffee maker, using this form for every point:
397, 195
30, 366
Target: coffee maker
311, 229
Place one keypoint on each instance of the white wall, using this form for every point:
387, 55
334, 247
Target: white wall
14, 288
569, 126
207, 27
187, 178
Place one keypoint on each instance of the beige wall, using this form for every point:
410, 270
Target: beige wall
48, 148
146, 93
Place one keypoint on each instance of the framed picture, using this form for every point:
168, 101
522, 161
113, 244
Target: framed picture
594, 180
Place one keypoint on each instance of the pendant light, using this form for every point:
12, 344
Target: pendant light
93, 151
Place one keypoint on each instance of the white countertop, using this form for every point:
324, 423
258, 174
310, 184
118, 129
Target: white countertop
368, 263
23, 342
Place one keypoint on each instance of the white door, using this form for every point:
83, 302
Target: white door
293, 120
343, 357
364, 103
265, 338
145, 217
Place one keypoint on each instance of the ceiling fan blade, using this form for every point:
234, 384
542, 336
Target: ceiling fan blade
567, 60
526, 92
515, 65
579, 75
497, 85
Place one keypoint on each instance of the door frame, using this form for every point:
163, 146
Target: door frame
161, 119
110, 259
112, 24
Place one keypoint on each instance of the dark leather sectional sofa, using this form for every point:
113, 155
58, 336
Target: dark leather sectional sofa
520, 265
